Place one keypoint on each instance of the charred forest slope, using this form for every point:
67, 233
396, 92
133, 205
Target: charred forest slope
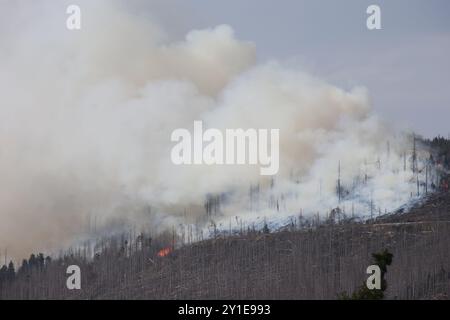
314, 264
318, 262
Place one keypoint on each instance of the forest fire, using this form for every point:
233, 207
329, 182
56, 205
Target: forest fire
164, 252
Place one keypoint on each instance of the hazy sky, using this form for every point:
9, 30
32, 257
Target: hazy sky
405, 66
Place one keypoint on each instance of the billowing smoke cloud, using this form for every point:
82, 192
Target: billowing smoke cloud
86, 118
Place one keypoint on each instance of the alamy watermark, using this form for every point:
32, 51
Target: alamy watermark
374, 20
73, 22
374, 280
231, 147
73, 282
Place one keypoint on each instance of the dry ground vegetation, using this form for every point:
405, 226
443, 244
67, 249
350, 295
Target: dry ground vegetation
308, 259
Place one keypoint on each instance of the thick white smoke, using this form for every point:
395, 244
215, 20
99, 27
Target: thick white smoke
86, 118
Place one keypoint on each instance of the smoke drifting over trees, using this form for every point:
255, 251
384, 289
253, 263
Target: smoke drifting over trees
86, 118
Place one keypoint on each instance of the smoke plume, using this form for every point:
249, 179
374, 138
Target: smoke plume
86, 118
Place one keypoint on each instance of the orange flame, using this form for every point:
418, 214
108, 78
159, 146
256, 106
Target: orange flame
164, 252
